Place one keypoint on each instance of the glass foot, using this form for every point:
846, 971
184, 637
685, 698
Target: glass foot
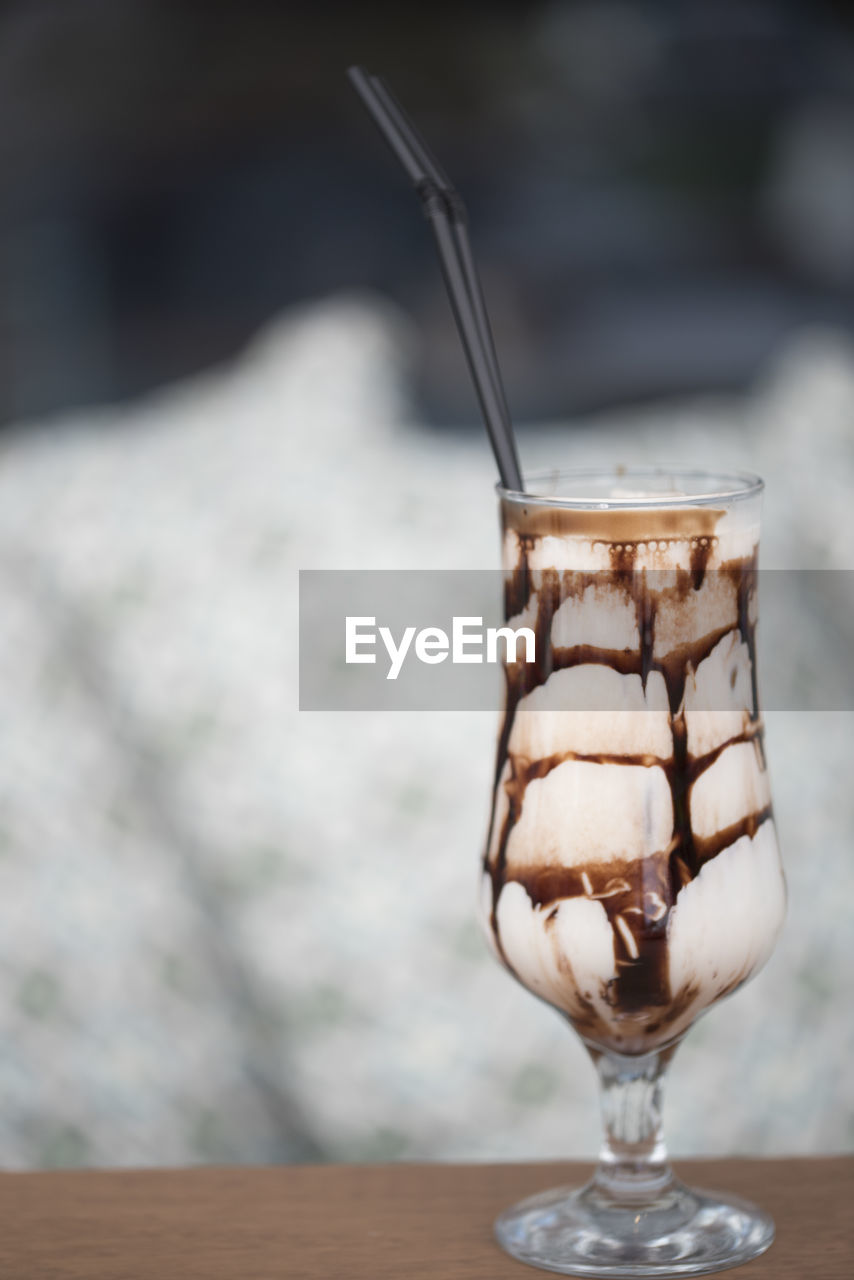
676, 1232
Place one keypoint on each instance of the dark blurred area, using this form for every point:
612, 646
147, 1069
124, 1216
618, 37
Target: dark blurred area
659, 193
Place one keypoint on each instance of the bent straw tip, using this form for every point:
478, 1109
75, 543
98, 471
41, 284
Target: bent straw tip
445, 211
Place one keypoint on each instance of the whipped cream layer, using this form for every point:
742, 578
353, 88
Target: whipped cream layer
632, 874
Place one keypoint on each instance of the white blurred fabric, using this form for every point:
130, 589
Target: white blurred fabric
233, 931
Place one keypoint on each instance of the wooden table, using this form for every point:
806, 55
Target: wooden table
407, 1221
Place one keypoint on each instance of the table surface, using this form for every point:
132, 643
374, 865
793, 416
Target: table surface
356, 1221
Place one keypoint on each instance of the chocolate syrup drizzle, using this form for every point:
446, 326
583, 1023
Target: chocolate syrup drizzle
638, 895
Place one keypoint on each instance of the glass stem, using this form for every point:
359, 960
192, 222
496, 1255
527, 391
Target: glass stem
633, 1158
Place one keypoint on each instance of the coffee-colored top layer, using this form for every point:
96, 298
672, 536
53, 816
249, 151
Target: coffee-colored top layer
611, 525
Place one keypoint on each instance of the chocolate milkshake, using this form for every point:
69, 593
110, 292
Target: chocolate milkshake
632, 875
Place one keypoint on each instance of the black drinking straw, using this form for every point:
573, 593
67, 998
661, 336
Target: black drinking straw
447, 215
459, 226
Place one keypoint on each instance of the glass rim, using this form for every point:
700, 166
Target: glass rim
711, 488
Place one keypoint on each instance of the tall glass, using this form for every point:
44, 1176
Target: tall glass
632, 876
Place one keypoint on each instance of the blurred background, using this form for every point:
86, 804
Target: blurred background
229, 931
